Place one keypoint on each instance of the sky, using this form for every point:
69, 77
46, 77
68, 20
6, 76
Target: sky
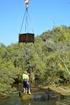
44, 15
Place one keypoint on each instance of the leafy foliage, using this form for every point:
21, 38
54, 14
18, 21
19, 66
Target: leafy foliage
48, 57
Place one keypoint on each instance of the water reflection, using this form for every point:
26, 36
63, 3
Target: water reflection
40, 103
15, 100
65, 101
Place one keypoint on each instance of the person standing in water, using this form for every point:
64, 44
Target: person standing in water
26, 83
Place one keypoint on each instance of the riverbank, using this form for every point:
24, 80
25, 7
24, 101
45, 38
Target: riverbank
53, 90
47, 93
63, 90
3, 96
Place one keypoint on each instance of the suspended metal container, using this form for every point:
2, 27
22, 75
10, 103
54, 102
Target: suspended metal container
26, 37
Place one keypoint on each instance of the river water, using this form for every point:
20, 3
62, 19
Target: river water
15, 100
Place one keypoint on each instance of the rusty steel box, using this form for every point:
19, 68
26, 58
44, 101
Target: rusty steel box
26, 37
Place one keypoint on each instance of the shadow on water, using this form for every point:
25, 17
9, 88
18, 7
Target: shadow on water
15, 100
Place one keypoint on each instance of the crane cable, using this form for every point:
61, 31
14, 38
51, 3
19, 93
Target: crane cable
22, 22
25, 19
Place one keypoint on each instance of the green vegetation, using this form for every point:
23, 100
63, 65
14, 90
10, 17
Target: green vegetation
48, 58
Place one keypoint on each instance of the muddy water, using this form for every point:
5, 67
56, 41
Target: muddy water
15, 100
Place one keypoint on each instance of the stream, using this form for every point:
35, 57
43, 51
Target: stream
16, 100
